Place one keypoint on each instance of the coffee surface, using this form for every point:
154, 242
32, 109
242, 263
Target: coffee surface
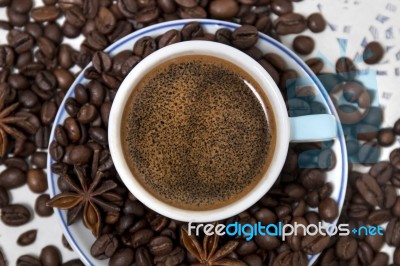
196, 133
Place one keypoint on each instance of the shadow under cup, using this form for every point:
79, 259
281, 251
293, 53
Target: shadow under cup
261, 100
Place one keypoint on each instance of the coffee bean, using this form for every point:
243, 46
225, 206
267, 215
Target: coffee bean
223, 9
142, 257
6, 56
37, 180
56, 151
40, 206
160, 246
389, 196
386, 137
186, 3
373, 53
328, 210
378, 217
87, 113
346, 247
20, 41
4, 3
365, 253
72, 129
102, 62
290, 23
395, 180
281, 7
346, 68
27, 238
395, 158
17, 163
15, 215
369, 153
312, 178
4, 198
12, 177
316, 22
45, 13
28, 260
50, 255
246, 247
122, 257
190, 13
270, 69
396, 207
80, 154
147, 15
267, 242
375, 242
396, 256
382, 171
105, 21
48, 112
370, 190
244, 37
315, 64
392, 234
104, 246
74, 262
141, 237
314, 244
303, 45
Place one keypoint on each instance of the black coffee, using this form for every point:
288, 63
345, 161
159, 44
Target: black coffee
198, 133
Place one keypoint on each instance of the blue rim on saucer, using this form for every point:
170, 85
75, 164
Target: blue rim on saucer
52, 178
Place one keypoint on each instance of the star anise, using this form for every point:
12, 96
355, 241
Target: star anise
7, 122
208, 254
89, 195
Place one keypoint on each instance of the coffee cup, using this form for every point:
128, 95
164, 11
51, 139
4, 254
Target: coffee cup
287, 129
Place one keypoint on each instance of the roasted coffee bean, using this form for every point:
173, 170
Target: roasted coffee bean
104, 246
365, 132
105, 21
253, 260
75, 16
36, 180
373, 53
290, 23
147, 15
396, 207
369, 153
170, 37
312, 178
53, 32
314, 244
12, 177
46, 81
186, 3
246, 247
17, 163
191, 31
74, 262
244, 37
223, 35
4, 198
378, 217
6, 56
21, 6
316, 22
395, 158
142, 257
144, 46
328, 210
382, 171
101, 62
380, 259
392, 234
141, 237
358, 211
315, 64
303, 45
122, 257
95, 40
45, 13
50, 255
15, 215
396, 256
28, 260
270, 69
281, 7
222, 9
160, 246
80, 154
56, 151
386, 137
20, 41
5, 25
40, 206
48, 112
87, 113
389, 196
375, 241
4, 3
193, 12
267, 242
370, 190
395, 180
27, 238
365, 253
346, 68
346, 247
72, 129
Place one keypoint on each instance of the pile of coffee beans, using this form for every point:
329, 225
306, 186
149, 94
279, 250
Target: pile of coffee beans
37, 68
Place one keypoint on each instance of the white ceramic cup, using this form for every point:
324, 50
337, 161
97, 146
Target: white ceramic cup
304, 128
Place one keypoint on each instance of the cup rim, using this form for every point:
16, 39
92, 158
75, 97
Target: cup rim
271, 91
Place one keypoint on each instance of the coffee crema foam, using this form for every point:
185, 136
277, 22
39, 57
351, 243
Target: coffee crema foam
195, 133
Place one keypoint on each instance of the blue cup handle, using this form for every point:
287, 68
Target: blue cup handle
310, 128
